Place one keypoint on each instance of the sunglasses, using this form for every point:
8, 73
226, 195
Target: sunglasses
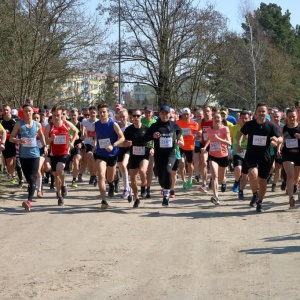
86, 115
136, 116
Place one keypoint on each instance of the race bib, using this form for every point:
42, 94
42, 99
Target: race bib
60, 140
186, 131
291, 143
165, 142
89, 140
39, 143
215, 146
29, 142
205, 136
136, 150
259, 140
104, 143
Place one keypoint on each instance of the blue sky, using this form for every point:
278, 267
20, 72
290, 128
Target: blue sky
230, 9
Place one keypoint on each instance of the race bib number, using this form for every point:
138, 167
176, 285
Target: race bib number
165, 142
186, 131
29, 142
259, 140
215, 146
60, 140
138, 150
39, 143
205, 136
104, 143
291, 143
89, 140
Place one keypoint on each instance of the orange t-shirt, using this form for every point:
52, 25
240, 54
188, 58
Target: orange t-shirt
217, 148
188, 131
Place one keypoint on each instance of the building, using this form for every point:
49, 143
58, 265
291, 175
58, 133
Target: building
144, 95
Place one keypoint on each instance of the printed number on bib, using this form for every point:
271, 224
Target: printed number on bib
165, 142
215, 146
186, 131
138, 150
60, 140
39, 143
291, 143
259, 140
104, 143
29, 142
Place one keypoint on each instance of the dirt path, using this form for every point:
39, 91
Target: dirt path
191, 250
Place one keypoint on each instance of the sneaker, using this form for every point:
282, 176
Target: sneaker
125, 194
292, 202
111, 189
117, 186
203, 189
253, 200
129, 198
60, 201
20, 184
148, 192
91, 181
189, 184
27, 205
95, 181
184, 186
136, 203
39, 194
283, 185
273, 188
235, 187
196, 179
79, 178
104, 204
74, 184
223, 187
52, 187
143, 191
64, 191
241, 195
259, 206
165, 201
14, 180
172, 194
270, 179
215, 200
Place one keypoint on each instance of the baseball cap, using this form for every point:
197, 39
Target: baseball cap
223, 112
47, 107
148, 108
42, 111
165, 108
119, 106
14, 111
186, 110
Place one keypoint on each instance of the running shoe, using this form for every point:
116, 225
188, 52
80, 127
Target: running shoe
39, 194
235, 187
203, 189
129, 198
125, 194
74, 184
148, 195
136, 203
64, 191
27, 205
14, 180
270, 179
259, 206
223, 187
253, 200
273, 188
292, 202
60, 201
283, 185
91, 181
143, 191
196, 179
95, 181
80, 178
117, 186
20, 184
189, 184
241, 195
165, 201
184, 186
111, 189
215, 200
104, 204
172, 194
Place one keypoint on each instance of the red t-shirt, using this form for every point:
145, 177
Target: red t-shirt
61, 142
205, 125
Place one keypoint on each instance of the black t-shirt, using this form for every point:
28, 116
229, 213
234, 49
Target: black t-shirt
259, 138
290, 142
136, 135
169, 133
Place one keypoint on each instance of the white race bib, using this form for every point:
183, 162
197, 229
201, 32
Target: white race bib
60, 140
39, 143
291, 143
29, 142
137, 150
215, 146
89, 141
104, 143
165, 142
259, 140
186, 131
205, 136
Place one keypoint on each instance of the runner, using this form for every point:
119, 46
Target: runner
27, 130
57, 135
218, 140
261, 133
108, 136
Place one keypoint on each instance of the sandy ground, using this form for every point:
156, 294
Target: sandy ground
191, 250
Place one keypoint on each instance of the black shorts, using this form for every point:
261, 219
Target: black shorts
111, 161
122, 152
10, 150
176, 164
42, 151
74, 152
188, 155
54, 160
197, 149
88, 148
134, 161
237, 160
263, 167
291, 156
221, 161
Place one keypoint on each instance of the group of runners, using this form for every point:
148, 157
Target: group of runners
43, 144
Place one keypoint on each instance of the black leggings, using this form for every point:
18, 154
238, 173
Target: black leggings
164, 170
30, 167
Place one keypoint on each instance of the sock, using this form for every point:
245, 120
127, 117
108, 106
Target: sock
39, 184
125, 180
166, 193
